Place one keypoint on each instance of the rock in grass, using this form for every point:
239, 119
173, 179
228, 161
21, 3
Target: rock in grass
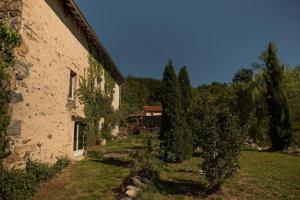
131, 187
136, 181
131, 193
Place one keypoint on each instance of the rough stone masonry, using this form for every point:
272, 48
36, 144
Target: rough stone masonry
53, 45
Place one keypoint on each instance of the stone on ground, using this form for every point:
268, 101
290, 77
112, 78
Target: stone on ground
137, 182
131, 193
131, 187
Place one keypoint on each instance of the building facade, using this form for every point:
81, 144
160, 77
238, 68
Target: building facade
46, 117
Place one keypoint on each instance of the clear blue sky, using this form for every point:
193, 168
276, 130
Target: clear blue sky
214, 38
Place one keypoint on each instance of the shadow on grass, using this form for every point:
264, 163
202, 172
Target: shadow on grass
126, 150
115, 162
136, 148
197, 154
181, 171
181, 187
248, 148
96, 155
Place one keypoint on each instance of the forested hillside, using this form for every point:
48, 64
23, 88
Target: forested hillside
246, 93
137, 92
247, 96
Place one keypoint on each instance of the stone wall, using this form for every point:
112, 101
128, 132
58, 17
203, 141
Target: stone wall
10, 11
42, 123
41, 126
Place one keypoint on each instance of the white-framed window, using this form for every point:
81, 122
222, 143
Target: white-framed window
72, 84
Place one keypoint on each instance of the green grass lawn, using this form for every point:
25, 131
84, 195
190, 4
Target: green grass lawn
267, 175
263, 175
92, 178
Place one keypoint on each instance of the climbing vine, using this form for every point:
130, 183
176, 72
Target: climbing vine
96, 95
109, 84
9, 39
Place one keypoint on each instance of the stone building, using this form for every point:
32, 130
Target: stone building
56, 42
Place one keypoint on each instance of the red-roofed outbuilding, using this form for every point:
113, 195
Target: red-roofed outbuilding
152, 110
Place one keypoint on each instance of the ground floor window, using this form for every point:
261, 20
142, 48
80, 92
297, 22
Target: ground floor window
79, 130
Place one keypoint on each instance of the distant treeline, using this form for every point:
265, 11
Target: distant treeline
137, 92
247, 95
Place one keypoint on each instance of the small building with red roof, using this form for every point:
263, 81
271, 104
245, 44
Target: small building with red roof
148, 119
152, 110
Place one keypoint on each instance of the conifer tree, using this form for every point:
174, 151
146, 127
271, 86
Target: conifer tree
171, 132
186, 98
185, 89
279, 116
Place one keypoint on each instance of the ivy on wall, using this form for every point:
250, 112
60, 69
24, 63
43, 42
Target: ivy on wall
97, 101
9, 39
109, 84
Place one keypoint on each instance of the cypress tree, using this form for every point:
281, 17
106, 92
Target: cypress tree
171, 132
280, 131
186, 98
185, 89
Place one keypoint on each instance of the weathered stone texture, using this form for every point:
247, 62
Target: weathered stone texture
14, 128
44, 120
15, 97
21, 69
10, 11
10, 5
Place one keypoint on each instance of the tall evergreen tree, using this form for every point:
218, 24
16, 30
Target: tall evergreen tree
186, 98
279, 116
185, 89
171, 132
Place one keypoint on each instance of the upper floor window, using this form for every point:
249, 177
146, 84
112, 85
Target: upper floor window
72, 84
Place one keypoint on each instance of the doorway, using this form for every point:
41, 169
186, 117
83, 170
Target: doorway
78, 144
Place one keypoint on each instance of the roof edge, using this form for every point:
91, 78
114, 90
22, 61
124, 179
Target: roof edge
91, 35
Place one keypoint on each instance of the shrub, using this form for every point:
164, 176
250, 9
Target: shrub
147, 165
61, 163
196, 121
217, 93
152, 168
39, 171
222, 145
21, 184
